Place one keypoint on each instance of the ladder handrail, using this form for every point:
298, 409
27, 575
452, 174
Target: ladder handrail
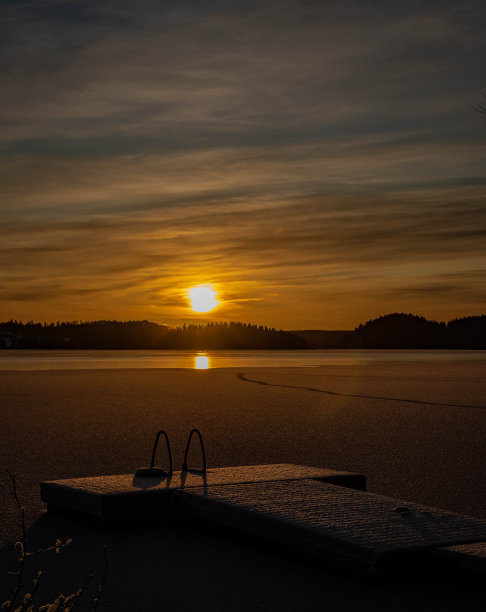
169, 452
203, 452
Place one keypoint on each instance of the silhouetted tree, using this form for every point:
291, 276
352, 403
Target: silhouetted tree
400, 331
143, 335
467, 333
480, 108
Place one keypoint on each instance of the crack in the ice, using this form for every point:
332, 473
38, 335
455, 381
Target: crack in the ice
242, 376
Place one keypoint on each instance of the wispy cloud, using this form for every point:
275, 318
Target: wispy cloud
317, 161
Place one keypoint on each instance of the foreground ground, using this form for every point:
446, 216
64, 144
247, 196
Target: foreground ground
416, 431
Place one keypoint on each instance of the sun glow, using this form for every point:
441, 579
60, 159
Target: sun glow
201, 362
202, 298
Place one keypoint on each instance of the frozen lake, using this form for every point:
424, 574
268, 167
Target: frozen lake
102, 359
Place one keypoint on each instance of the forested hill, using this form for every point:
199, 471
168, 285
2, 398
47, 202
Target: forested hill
144, 335
392, 331
409, 331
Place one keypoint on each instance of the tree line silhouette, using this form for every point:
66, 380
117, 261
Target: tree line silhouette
144, 335
408, 331
392, 331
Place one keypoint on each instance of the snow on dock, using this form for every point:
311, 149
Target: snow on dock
128, 496
325, 514
343, 527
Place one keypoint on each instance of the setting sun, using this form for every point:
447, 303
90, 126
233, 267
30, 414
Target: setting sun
202, 298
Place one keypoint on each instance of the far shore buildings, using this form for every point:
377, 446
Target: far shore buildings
6, 340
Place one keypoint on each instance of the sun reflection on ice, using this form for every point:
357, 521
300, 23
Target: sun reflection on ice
201, 362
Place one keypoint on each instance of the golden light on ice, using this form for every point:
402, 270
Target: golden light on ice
201, 362
202, 298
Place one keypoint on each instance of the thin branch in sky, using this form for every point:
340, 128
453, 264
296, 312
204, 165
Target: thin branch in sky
479, 107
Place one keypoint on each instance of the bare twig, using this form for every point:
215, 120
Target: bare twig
26, 604
20, 545
96, 600
80, 591
29, 597
479, 107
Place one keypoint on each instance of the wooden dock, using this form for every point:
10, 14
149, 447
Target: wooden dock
324, 514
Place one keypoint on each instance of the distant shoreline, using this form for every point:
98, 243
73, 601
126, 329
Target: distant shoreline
392, 331
212, 350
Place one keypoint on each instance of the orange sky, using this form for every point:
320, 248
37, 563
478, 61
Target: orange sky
316, 163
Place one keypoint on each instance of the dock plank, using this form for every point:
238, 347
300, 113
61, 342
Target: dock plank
132, 497
345, 527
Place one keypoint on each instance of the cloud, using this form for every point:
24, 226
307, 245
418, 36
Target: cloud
244, 74
324, 150
317, 248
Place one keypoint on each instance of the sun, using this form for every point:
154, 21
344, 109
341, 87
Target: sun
202, 298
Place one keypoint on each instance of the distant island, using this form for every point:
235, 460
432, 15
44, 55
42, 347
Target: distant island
392, 331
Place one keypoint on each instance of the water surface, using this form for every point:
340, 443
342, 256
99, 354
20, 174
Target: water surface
103, 359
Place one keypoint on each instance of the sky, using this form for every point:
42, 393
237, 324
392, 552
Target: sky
317, 163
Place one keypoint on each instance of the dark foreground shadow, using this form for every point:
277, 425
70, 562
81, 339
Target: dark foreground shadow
175, 567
